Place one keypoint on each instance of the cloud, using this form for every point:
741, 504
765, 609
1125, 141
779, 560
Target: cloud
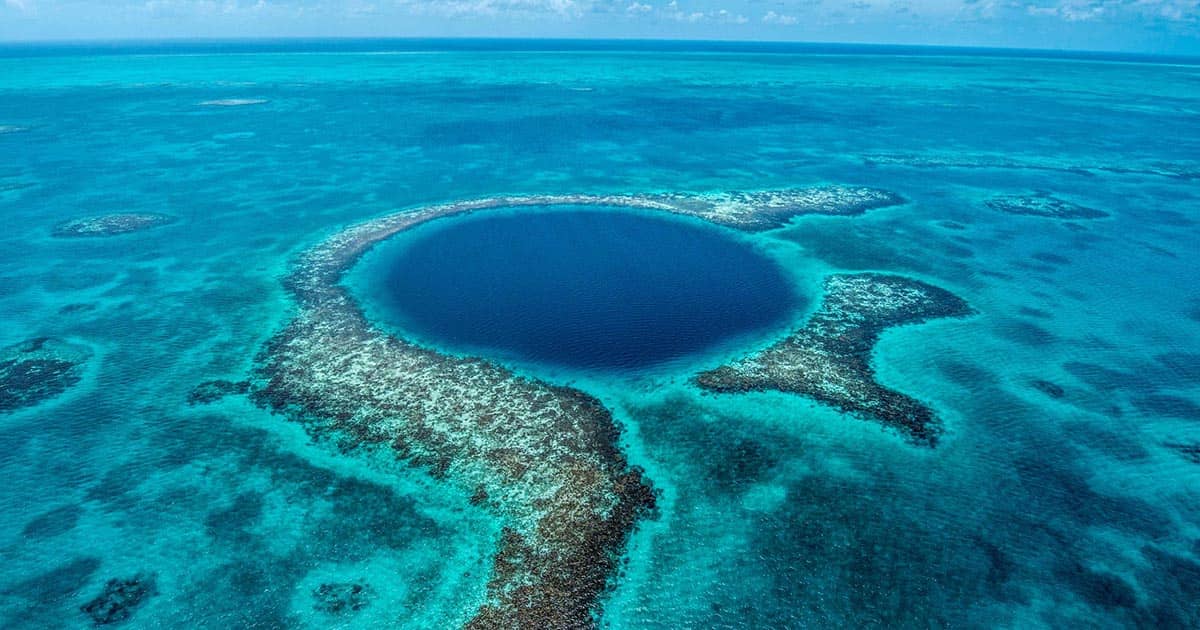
772, 17
1117, 10
637, 8
719, 16
494, 8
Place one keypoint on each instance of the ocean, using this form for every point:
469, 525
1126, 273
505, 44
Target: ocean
683, 335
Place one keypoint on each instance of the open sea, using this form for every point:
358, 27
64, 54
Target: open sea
146, 483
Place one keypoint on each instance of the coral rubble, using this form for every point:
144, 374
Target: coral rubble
1044, 205
829, 358
37, 370
112, 224
542, 456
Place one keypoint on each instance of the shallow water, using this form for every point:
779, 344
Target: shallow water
1063, 493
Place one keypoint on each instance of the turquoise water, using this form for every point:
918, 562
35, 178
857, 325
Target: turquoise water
1063, 492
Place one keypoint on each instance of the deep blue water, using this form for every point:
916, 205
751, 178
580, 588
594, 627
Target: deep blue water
582, 288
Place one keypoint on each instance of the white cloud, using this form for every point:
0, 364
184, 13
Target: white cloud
637, 8
720, 16
1093, 10
772, 17
493, 8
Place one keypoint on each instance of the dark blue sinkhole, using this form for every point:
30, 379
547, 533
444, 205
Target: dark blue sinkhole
593, 289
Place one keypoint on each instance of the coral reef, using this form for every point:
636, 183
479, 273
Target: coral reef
542, 456
343, 597
112, 224
756, 211
37, 370
1043, 205
829, 358
119, 600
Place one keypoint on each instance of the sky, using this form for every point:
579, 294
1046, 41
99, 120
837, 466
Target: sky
1151, 26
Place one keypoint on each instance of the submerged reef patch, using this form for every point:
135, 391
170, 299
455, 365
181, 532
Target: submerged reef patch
119, 600
1049, 388
937, 160
829, 358
212, 391
57, 521
112, 224
55, 586
1043, 205
543, 457
37, 370
1187, 450
342, 597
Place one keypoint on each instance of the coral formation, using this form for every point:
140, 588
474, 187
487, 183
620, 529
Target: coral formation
112, 224
343, 597
542, 456
37, 370
1043, 205
829, 358
119, 600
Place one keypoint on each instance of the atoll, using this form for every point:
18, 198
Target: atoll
542, 456
37, 370
342, 597
112, 224
1043, 205
829, 358
119, 600
233, 102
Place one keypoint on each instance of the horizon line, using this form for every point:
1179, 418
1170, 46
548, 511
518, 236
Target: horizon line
116, 42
